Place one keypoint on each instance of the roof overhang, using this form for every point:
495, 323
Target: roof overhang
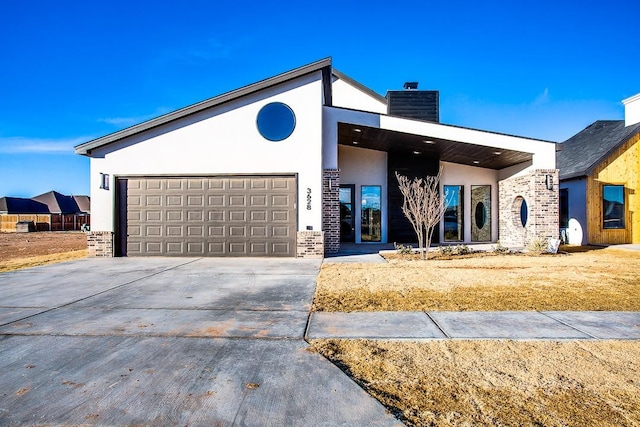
447, 150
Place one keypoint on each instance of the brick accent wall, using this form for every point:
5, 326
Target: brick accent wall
310, 244
100, 244
331, 210
542, 206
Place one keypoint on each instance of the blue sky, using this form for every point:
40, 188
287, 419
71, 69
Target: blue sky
75, 70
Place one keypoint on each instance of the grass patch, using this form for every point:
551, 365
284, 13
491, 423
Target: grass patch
584, 279
452, 383
34, 261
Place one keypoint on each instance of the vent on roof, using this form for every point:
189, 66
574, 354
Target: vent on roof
413, 103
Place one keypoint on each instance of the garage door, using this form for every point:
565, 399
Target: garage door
209, 216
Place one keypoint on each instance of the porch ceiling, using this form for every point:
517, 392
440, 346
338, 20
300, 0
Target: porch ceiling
417, 145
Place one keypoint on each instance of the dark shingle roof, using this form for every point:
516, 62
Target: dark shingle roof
58, 203
582, 152
18, 205
51, 202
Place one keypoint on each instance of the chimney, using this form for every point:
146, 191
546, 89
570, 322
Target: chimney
631, 110
413, 103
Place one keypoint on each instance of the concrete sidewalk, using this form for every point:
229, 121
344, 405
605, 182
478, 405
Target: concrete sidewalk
516, 325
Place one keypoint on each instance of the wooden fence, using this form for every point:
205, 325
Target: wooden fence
45, 222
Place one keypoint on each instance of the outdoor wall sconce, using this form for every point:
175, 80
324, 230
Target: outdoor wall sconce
548, 180
104, 181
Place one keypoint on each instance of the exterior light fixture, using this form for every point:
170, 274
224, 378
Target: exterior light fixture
426, 141
357, 130
476, 162
497, 153
104, 181
416, 152
548, 181
355, 142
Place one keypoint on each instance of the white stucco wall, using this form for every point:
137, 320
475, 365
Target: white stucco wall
346, 95
455, 174
577, 210
360, 167
632, 110
223, 140
331, 117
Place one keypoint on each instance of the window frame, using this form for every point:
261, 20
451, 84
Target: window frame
623, 211
459, 211
371, 212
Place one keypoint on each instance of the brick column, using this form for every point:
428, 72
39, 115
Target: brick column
542, 207
331, 210
100, 244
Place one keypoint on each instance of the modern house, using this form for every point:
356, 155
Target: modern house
298, 163
600, 180
50, 211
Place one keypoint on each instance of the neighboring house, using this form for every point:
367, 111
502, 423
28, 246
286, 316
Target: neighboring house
600, 180
298, 163
50, 211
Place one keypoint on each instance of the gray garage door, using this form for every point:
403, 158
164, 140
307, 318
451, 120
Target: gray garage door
210, 216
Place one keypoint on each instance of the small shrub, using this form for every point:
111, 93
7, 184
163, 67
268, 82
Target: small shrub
445, 250
463, 250
499, 248
403, 249
539, 245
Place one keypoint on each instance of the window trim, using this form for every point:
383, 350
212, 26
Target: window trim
623, 218
461, 212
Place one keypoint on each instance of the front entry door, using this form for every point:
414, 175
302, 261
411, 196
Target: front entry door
347, 217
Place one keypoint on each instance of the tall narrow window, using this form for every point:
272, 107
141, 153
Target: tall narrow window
613, 206
453, 215
371, 214
481, 213
564, 208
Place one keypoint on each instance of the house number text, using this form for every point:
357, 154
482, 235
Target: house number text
308, 199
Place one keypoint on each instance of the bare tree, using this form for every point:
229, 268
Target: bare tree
423, 206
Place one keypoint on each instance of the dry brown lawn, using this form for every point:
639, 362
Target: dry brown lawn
585, 279
471, 383
23, 250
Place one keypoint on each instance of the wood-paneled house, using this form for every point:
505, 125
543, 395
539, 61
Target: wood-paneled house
600, 180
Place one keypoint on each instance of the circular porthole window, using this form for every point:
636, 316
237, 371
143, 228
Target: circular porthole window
276, 121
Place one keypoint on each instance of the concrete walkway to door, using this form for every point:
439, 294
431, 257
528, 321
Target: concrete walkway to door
167, 341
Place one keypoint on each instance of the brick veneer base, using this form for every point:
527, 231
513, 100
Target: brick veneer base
310, 244
331, 210
100, 244
542, 206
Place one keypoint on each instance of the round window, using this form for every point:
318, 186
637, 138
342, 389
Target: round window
276, 121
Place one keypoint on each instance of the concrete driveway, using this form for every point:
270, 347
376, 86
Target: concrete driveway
164, 341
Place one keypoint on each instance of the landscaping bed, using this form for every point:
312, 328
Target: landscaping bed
583, 279
487, 383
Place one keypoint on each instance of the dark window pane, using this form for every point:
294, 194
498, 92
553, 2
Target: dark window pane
564, 208
613, 206
276, 121
371, 218
453, 215
524, 213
